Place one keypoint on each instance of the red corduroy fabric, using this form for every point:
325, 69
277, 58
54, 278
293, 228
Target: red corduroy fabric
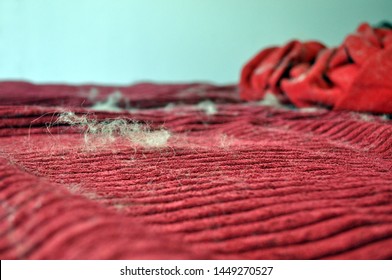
249, 182
354, 76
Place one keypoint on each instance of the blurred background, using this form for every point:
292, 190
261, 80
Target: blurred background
126, 41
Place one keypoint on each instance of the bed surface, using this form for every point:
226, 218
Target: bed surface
234, 181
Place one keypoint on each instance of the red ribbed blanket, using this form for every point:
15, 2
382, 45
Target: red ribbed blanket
242, 181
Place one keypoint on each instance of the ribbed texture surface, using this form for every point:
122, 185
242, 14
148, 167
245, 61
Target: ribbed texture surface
247, 182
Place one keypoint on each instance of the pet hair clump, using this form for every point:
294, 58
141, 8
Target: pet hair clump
112, 129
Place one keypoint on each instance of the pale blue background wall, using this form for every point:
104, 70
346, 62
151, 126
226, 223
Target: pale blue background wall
123, 41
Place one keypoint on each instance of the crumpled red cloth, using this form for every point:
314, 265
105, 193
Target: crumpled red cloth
357, 75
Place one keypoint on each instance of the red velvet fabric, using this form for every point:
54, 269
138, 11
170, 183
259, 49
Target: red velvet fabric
248, 182
354, 76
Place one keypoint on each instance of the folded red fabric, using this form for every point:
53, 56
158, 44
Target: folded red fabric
354, 76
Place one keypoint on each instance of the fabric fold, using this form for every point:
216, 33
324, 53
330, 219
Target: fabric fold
354, 76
